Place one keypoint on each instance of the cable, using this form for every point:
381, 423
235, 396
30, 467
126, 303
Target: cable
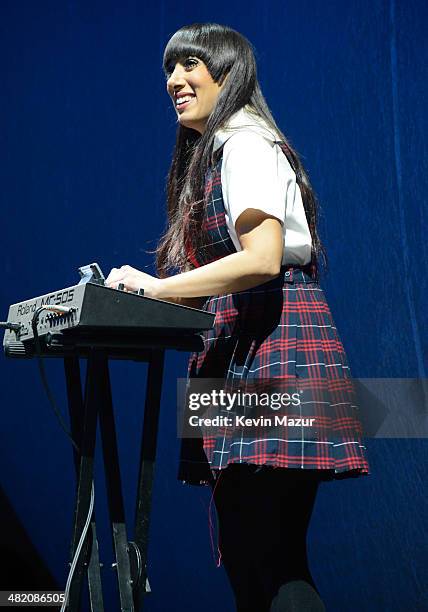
78, 549
11, 326
34, 320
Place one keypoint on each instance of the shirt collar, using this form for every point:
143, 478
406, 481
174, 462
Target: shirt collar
243, 119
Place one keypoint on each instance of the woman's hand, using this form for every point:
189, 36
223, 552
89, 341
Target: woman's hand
133, 280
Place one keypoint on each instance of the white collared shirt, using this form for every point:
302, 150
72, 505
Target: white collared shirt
255, 173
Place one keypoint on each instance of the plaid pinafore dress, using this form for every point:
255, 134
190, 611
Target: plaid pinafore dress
281, 331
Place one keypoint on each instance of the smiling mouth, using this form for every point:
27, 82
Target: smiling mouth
179, 105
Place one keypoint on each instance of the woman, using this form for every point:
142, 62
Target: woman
242, 243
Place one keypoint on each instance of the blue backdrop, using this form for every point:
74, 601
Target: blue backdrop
86, 141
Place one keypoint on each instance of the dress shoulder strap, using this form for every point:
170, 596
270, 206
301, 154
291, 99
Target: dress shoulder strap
291, 158
216, 156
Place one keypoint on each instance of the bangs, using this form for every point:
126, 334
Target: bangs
183, 44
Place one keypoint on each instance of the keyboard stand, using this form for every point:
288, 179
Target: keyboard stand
85, 410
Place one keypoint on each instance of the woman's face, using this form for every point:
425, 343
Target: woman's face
193, 92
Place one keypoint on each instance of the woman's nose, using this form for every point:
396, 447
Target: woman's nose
176, 78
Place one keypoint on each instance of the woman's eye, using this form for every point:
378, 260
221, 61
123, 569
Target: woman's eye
190, 62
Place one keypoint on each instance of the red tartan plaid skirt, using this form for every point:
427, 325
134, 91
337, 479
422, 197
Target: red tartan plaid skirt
278, 335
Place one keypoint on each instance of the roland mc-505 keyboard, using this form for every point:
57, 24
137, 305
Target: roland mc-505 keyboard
90, 314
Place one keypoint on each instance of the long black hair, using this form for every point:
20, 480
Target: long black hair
225, 52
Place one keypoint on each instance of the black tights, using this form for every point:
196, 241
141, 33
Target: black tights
263, 516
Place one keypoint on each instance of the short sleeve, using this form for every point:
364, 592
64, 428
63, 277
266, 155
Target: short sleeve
253, 176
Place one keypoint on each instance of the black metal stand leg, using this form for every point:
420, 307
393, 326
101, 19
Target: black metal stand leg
94, 577
84, 433
131, 557
75, 403
146, 473
114, 492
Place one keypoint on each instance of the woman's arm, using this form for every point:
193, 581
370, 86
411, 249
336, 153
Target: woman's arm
262, 242
195, 302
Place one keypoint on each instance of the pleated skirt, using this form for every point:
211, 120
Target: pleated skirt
277, 338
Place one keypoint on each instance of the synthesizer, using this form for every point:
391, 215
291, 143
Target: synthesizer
92, 310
